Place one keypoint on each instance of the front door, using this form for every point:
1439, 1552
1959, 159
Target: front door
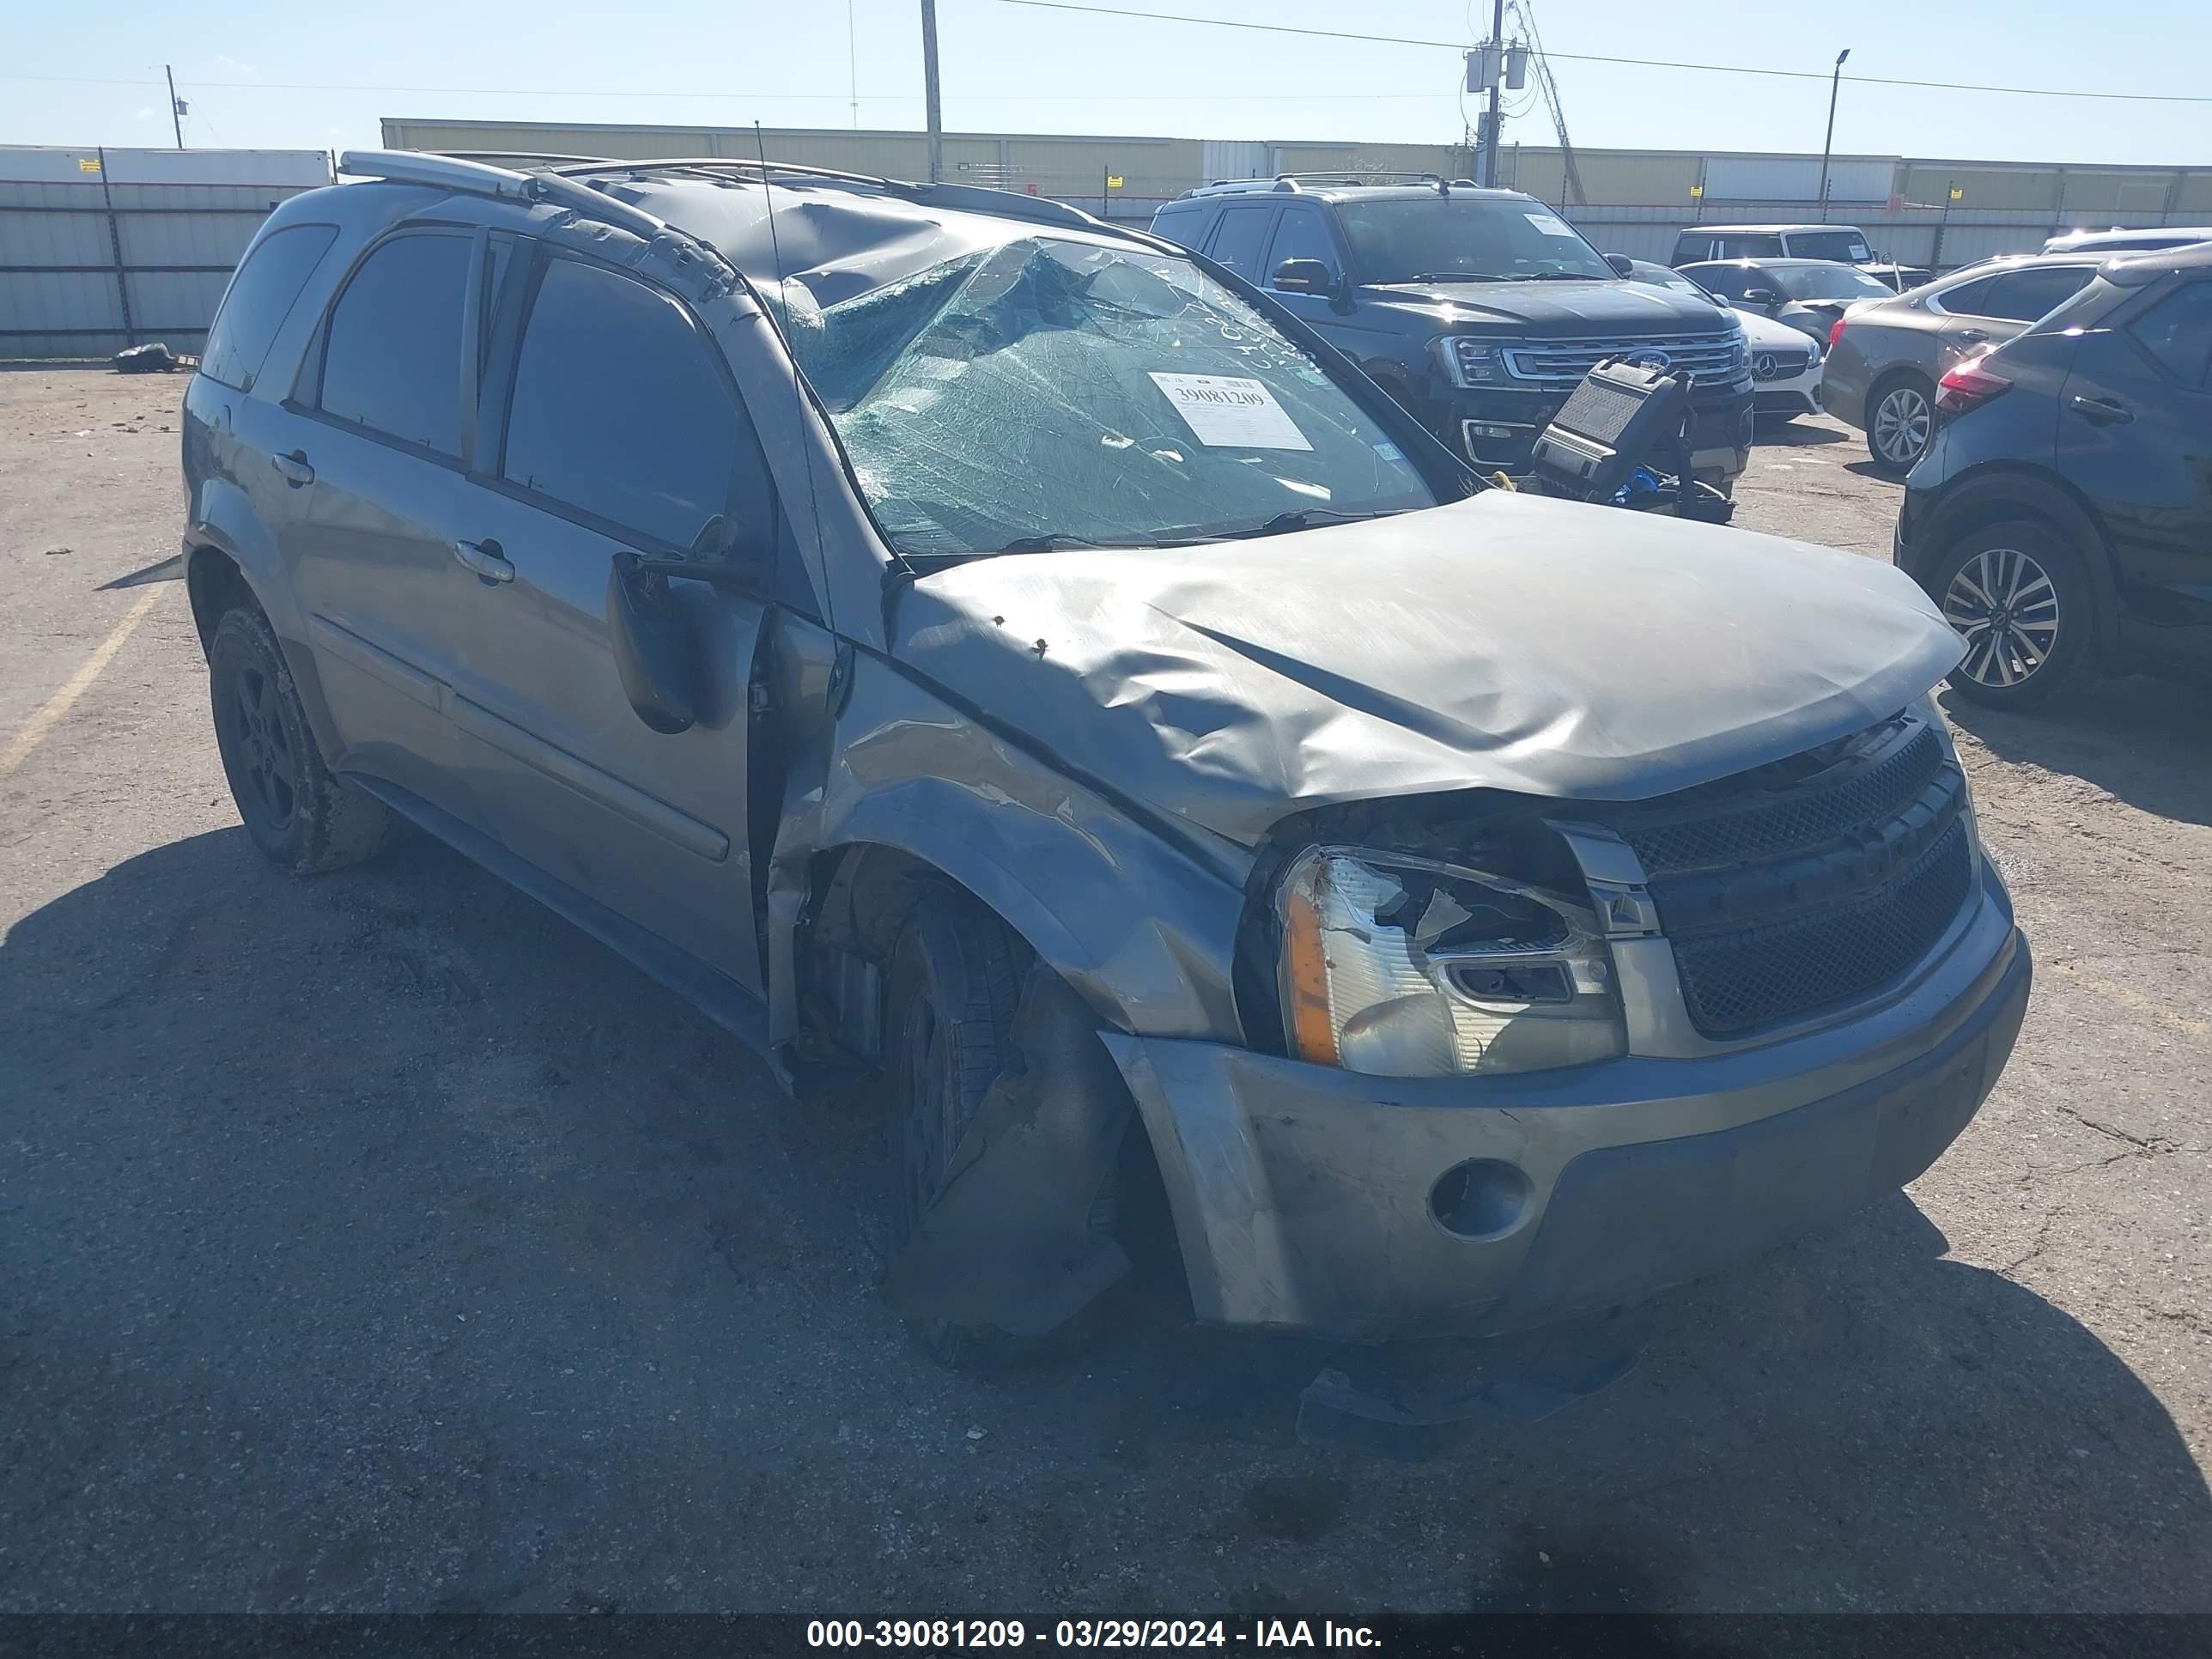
2135, 434
612, 424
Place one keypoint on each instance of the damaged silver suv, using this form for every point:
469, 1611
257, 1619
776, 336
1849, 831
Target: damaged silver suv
947, 637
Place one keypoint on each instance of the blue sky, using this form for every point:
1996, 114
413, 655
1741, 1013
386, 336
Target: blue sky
275, 73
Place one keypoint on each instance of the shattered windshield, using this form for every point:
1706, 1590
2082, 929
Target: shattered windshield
1051, 392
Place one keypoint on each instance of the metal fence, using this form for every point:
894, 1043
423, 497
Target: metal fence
101, 249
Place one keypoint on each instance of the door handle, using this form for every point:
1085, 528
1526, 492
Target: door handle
485, 558
1973, 336
2104, 411
297, 473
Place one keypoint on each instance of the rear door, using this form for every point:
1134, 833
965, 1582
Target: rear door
1996, 308
378, 465
612, 424
2134, 435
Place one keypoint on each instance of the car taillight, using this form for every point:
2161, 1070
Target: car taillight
1968, 385
1835, 333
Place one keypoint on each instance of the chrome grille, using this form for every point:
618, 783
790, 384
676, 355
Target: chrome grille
1778, 365
1712, 358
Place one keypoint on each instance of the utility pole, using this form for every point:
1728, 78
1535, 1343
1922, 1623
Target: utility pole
176, 109
853, 64
1829, 142
929, 90
1492, 121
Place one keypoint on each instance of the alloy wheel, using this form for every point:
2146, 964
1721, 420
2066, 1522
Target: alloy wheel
2004, 606
261, 749
1901, 424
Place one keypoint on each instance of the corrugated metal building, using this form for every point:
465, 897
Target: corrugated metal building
101, 249
1631, 202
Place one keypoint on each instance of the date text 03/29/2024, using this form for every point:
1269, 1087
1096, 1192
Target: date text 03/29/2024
943, 1633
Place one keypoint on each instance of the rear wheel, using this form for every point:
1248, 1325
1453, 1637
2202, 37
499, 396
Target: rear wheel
300, 815
1900, 423
2020, 598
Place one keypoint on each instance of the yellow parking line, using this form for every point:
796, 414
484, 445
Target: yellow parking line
21, 745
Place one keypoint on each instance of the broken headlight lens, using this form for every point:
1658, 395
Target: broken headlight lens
1402, 967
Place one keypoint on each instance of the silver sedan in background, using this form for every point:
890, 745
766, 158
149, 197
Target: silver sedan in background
1885, 359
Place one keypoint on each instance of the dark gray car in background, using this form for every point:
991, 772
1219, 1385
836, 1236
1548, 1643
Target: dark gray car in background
1884, 361
967, 648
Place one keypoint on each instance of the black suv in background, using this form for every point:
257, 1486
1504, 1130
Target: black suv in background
1479, 310
2062, 517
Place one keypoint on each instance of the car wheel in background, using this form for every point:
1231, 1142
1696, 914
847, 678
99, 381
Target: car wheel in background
300, 815
2022, 600
1900, 422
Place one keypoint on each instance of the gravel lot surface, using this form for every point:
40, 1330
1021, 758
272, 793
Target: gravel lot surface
379, 1241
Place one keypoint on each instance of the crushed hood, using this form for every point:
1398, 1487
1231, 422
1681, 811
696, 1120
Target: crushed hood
1506, 641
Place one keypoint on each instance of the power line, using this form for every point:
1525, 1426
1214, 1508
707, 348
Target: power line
1633, 63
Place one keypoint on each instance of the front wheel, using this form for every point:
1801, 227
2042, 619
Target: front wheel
2020, 598
1901, 425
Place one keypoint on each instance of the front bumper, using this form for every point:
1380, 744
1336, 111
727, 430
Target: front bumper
1302, 1194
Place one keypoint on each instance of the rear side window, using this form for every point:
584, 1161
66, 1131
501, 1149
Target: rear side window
1967, 299
1236, 239
392, 361
2022, 297
620, 409
1747, 247
1730, 282
261, 296
2177, 332
1184, 225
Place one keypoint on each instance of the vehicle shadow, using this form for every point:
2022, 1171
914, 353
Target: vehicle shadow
432, 1258
1867, 469
1772, 432
2141, 739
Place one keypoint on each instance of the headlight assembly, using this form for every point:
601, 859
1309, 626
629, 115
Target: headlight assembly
1401, 967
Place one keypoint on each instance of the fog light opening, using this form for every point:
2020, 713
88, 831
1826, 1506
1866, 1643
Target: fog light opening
1479, 1199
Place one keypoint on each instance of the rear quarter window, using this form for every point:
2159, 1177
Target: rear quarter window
260, 297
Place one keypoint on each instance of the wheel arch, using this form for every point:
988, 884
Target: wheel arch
1999, 491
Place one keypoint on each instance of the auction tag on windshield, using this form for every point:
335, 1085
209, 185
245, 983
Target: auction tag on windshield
1226, 412
1550, 223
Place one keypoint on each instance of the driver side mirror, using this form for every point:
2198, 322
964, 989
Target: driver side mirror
651, 644
1302, 277
1621, 263
1761, 296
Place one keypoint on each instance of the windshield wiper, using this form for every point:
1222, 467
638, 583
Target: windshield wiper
1303, 517
1454, 277
1568, 277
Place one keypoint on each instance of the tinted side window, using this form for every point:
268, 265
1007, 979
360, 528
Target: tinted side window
1729, 282
1302, 234
392, 361
2178, 331
1968, 298
619, 407
1747, 247
261, 296
1236, 239
2021, 296
1184, 225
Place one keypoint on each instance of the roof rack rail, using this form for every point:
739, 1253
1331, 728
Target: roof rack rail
1356, 173
482, 179
503, 157
712, 164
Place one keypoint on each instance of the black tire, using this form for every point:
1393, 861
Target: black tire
956, 978
2021, 595
300, 816
1900, 422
